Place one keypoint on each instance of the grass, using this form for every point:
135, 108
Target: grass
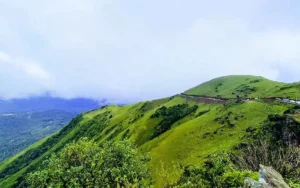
250, 86
186, 144
190, 140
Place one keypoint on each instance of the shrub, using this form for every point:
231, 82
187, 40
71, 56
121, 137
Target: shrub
168, 176
170, 116
84, 164
285, 160
275, 144
235, 178
202, 113
216, 172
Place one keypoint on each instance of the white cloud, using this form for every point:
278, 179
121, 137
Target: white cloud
22, 78
130, 51
35, 70
5, 57
29, 67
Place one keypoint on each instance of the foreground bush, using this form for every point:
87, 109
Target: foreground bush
286, 160
216, 172
276, 144
84, 164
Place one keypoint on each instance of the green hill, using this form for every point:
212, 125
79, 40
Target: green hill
172, 130
246, 86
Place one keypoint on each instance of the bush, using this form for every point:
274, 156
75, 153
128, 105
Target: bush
170, 116
275, 144
216, 172
285, 160
84, 164
235, 178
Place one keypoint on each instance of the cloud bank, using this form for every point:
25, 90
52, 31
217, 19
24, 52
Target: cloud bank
131, 51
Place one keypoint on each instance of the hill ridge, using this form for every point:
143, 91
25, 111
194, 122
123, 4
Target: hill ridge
245, 86
173, 129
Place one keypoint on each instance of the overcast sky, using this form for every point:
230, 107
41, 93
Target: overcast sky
138, 50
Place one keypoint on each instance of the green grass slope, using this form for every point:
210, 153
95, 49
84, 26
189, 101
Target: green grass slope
246, 86
171, 130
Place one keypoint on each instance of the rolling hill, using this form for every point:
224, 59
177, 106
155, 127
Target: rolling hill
171, 130
246, 86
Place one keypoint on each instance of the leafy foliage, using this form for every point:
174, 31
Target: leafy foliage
202, 113
285, 160
170, 116
244, 90
276, 144
216, 172
84, 164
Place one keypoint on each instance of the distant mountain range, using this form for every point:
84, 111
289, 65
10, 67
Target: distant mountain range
25, 121
76, 105
20, 130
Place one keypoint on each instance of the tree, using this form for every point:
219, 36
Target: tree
84, 164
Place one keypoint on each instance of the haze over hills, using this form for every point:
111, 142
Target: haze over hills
140, 94
76, 105
25, 121
175, 129
20, 130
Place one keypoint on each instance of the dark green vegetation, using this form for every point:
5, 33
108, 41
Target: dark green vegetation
85, 164
275, 144
171, 115
190, 143
217, 171
20, 130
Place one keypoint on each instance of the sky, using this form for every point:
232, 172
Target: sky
127, 51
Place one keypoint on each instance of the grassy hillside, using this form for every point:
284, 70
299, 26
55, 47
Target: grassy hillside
246, 86
171, 130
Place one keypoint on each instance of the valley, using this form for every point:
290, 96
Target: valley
20, 130
26, 121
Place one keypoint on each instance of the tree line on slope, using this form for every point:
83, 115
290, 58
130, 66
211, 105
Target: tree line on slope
171, 115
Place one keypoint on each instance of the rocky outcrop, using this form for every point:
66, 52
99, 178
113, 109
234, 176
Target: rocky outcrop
268, 178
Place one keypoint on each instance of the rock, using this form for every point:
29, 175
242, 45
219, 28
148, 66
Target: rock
249, 183
268, 178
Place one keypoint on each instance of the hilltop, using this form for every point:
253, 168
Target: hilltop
171, 130
246, 86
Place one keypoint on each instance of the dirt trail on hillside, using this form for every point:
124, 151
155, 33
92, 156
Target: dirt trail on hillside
220, 100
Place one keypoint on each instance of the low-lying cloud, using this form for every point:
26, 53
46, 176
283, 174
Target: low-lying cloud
135, 51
